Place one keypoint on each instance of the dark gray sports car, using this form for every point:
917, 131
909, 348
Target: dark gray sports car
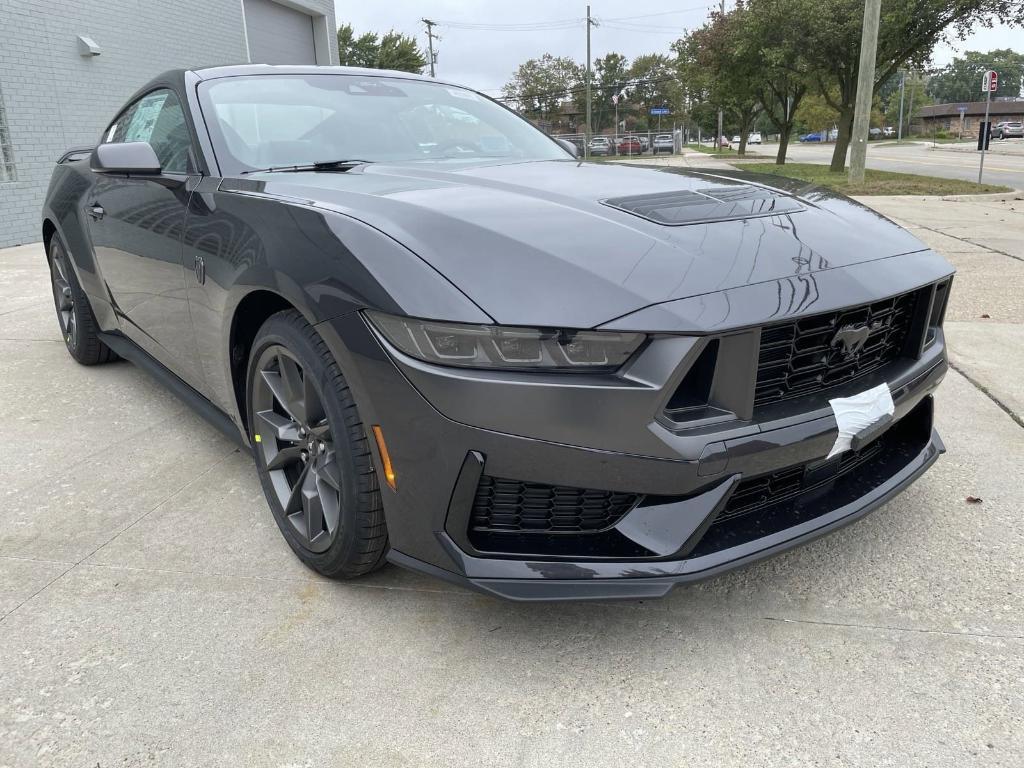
452, 345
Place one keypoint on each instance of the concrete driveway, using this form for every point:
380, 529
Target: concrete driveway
151, 614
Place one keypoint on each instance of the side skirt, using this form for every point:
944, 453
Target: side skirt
136, 355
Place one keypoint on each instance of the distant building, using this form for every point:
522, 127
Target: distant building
946, 117
66, 67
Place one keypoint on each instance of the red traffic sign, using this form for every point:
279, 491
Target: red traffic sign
990, 82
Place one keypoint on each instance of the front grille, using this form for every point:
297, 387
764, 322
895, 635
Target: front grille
804, 357
757, 493
513, 506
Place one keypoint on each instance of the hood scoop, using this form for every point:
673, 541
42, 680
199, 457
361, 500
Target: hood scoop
702, 206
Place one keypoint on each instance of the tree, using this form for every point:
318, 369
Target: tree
960, 80
908, 33
652, 84
392, 51
612, 73
713, 59
774, 34
539, 87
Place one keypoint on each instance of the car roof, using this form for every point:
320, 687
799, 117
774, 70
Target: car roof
255, 70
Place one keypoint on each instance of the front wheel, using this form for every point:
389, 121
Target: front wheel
312, 453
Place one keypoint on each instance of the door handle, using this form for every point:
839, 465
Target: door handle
96, 211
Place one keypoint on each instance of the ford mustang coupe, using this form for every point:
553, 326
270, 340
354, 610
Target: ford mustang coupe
452, 345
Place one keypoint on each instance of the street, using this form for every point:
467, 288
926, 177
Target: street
151, 614
1003, 165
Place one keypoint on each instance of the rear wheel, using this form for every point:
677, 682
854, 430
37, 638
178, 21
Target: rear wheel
312, 453
77, 323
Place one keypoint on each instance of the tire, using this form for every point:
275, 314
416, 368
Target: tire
78, 326
312, 452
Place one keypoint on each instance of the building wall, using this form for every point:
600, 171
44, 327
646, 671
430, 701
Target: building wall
55, 98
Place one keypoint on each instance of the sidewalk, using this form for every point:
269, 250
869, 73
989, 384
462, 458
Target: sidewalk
984, 240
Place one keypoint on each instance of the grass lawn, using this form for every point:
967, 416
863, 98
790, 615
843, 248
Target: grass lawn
875, 182
710, 150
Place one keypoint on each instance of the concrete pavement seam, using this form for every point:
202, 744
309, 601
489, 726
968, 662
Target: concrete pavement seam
985, 391
68, 570
970, 242
946, 632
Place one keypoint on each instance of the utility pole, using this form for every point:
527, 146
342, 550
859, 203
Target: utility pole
586, 144
903, 88
718, 145
865, 89
430, 42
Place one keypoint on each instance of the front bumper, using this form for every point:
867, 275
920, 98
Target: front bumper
445, 429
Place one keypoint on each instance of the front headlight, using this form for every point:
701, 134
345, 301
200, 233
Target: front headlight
496, 346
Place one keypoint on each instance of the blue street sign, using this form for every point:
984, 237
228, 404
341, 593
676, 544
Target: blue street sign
962, 109
660, 111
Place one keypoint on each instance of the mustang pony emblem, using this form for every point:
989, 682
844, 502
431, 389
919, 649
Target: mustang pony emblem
852, 338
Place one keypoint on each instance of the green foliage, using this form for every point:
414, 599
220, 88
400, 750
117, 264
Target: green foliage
960, 80
540, 86
390, 51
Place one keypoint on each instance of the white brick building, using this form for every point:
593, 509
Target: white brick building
66, 67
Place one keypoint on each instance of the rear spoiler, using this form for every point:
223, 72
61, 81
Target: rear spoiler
74, 155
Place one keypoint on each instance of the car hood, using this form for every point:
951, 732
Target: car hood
541, 243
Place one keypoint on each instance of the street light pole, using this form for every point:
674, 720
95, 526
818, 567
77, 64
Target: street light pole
865, 88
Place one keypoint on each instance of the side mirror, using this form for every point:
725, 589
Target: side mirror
133, 157
569, 147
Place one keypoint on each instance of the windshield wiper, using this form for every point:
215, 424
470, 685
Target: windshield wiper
320, 165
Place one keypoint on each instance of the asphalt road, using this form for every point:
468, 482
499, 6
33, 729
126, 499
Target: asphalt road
1005, 165
152, 615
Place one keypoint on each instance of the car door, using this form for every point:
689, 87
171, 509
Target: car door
136, 225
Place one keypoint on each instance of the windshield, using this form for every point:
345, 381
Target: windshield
279, 120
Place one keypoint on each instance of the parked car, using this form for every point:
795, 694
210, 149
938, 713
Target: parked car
874, 133
602, 146
754, 138
736, 139
663, 143
1008, 130
889, 132
811, 137
485, 360
629, 145
645, 143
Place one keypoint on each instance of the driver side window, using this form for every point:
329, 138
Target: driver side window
157, 118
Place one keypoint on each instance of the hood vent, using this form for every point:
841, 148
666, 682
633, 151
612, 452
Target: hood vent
702, 206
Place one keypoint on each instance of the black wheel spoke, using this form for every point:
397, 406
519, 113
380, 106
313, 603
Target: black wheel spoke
329, 472
294, 503
277, 425
321, 431
292, 389
285, 457
313, 507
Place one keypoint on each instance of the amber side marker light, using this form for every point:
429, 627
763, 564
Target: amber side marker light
385, 457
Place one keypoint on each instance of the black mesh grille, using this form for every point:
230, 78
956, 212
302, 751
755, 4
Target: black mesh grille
807, 356
757, 493
504, 505
740, 201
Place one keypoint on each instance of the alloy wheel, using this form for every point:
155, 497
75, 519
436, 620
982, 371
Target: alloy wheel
294, 441
63, 297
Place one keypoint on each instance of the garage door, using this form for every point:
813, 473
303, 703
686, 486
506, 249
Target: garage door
277, 34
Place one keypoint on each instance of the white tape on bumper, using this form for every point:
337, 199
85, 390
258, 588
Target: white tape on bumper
854, 414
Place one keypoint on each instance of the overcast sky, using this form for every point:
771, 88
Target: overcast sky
486, 59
